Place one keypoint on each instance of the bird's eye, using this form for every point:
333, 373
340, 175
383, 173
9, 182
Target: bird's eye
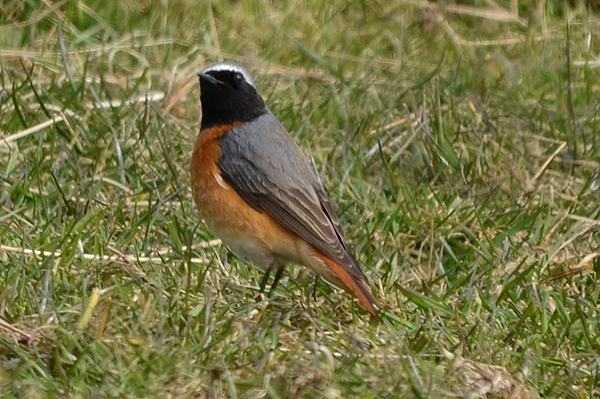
238, 77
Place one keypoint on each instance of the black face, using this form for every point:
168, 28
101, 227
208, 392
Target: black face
227, 98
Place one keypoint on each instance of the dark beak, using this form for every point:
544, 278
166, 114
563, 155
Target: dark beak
208, 78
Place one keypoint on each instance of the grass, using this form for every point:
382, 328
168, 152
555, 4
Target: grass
459, 146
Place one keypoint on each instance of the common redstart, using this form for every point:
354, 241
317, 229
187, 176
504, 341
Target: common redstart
257, 191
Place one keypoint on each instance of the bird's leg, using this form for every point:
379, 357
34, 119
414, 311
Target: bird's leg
263, 283
314, 293
278, 275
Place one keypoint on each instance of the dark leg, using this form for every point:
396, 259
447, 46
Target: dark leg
263, 283
278, 275
315, 288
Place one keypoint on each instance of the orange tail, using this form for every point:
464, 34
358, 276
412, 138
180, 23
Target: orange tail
359, 288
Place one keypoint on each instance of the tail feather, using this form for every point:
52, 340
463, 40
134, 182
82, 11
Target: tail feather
352, 284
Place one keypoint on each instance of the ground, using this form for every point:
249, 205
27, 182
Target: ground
459, 143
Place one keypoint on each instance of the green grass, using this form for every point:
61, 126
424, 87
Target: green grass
461, 155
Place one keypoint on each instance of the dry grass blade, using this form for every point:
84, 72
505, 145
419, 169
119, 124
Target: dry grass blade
119, 257
10, 331
7, 139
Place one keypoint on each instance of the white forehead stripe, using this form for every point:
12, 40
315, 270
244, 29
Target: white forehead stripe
231, 66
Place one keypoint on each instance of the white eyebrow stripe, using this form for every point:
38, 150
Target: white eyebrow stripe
231, 66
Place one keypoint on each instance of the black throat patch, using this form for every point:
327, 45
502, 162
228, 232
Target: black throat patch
227, 98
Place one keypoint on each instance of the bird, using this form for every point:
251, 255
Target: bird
257, 191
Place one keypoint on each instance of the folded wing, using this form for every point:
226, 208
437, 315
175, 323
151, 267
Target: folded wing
261, 161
